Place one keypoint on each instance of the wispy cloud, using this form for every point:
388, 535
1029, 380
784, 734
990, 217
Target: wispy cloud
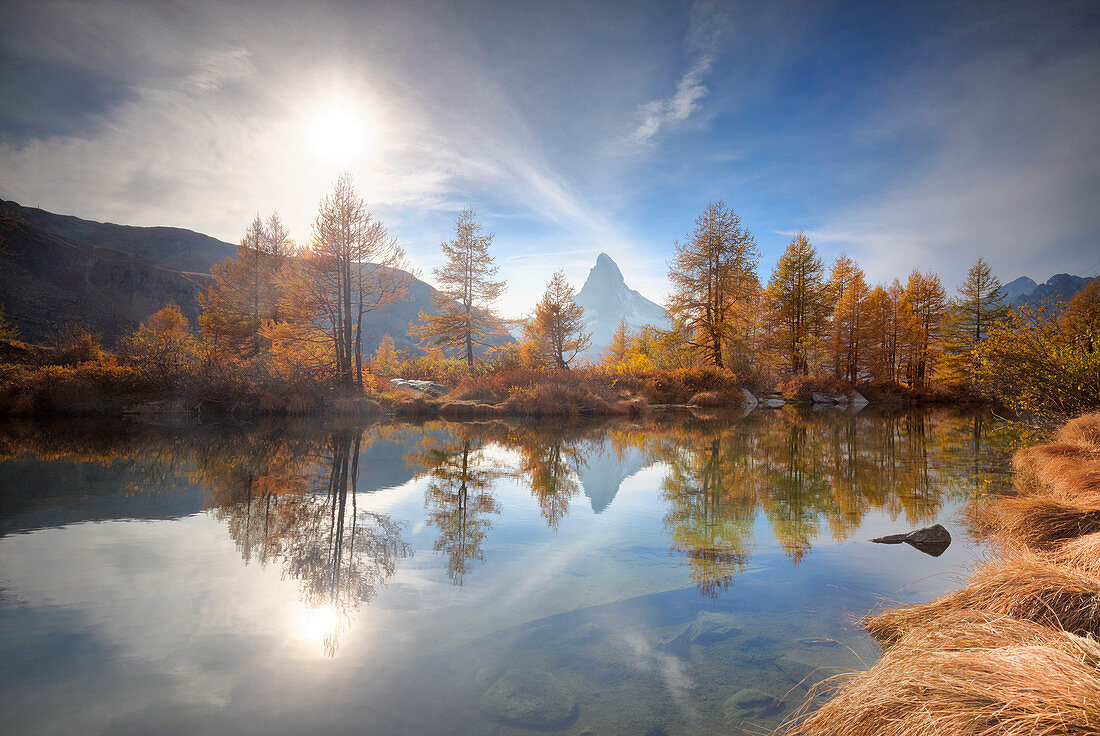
701, 46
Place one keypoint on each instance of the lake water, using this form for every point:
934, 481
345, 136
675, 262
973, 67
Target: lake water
485, 578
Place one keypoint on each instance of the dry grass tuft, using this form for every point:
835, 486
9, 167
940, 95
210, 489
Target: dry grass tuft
969, 673
1023, 587
469, 410
1061, 471
1082, 553
1083, 431
1040, 523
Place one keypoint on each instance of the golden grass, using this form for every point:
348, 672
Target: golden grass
1082, 553
1083, 431
1065, 472
1040, 523
970, 674
1024, 586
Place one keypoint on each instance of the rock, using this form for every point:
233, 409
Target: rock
840, 399
711, 627
531, 699
749, 704
772, 401
422, 387
750, 400
707, 628
858, 399
932, 540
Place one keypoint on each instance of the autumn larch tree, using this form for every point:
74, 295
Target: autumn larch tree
848, 289
244, 292
713, 277
350, 267
925, 305
557, 328
796, 300
466, 292
618, 352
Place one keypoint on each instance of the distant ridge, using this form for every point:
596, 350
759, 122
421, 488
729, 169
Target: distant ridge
183, 250
47, 281
56, 269
1059, 287
607, 301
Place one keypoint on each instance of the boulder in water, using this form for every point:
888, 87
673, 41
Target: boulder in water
749, 704
931, 540
531, 699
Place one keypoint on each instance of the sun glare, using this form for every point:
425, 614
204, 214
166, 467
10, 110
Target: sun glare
339, 134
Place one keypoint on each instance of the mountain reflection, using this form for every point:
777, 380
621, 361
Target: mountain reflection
296, 494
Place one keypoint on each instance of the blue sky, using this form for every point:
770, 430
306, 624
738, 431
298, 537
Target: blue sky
906, 135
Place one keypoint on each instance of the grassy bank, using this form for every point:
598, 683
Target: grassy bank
1013, 652
36, 380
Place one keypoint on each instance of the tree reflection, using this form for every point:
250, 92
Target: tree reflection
458, 499
307, 519
286, 490
550, 463
710, 511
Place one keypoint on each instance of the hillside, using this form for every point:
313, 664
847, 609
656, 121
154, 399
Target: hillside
59, 269
183, 250
47, 281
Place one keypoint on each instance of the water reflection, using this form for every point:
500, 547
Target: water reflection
458, 500
290, 494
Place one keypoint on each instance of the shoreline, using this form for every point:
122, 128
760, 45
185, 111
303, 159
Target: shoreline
1014, 651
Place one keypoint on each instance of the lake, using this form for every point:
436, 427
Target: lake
678, 574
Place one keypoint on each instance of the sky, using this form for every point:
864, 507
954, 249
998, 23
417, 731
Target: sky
906, 135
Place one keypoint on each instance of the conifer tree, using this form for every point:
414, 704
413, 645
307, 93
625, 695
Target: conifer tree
796, 302
244, 292
557, 328
618, 352
386, 361
848, 288
713, 277
467, 291
979, 305
925, 305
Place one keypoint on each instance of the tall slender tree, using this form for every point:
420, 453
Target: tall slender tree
796, 301
467, 292
848, 288
350, 268
713, 277
557, 327
925, 305
979, 305
244, 292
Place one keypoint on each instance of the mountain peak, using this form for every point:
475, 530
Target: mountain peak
606, 270
607, 301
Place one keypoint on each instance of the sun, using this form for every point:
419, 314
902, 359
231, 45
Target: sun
339, 134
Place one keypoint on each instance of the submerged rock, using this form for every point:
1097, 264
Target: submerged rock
749, 704
530, 698
931, 540
707, 628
